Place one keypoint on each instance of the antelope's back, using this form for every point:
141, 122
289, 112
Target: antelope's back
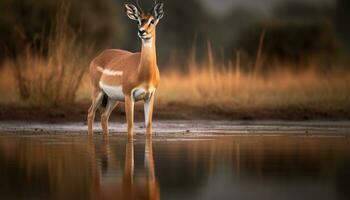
103, 60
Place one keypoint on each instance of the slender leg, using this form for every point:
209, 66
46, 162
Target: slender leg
148, 111
111, 104
96, 103
129, 110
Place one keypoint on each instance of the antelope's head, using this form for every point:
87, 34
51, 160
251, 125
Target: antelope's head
147, 21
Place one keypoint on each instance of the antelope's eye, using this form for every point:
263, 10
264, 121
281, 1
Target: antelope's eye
152, 22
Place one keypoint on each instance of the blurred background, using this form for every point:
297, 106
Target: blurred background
296, 30
295, 49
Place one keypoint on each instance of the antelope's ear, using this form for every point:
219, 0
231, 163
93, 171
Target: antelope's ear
132, 12
158, 11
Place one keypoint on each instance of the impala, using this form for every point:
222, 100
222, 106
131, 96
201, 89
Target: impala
121, 76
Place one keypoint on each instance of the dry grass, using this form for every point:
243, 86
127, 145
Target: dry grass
8, 88
201, 86
230, 88
52, 77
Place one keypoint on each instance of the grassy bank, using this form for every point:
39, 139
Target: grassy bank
207, 92
232, 89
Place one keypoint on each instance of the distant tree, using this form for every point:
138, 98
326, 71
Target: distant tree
302, 10
29, 22
293, 42
342, 19
228, 29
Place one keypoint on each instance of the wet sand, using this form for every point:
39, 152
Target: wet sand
189, 128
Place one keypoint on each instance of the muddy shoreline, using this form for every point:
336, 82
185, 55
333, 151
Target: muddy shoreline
77, 113
188, 128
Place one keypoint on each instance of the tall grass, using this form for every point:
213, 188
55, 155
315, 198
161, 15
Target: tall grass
228, 87
61, 79
210, 83
52, 77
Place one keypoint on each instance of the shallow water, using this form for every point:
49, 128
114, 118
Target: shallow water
226, 167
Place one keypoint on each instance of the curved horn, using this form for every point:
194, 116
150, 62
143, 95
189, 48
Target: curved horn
155, 3
138, 6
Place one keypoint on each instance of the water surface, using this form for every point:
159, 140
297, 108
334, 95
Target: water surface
225, 167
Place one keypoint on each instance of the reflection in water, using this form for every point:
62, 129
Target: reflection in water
110, 185
61, 167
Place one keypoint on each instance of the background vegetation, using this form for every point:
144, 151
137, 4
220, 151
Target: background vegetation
290, 54
104, 24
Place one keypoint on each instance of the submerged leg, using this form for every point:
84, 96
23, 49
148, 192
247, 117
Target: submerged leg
96, 103
111, 104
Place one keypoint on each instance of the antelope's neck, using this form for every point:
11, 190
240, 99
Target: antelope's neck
148, 62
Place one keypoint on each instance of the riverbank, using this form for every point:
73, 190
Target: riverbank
167, 129
175, 111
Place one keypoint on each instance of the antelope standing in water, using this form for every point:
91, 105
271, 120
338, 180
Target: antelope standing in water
121, 76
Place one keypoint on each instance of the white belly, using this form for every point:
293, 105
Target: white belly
116, 92
113, 92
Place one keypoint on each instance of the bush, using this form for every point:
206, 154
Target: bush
53, 79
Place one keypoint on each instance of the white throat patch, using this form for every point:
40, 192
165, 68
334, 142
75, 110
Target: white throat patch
147, 43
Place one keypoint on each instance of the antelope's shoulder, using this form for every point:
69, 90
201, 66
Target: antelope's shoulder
129, 60
127, 64
107, 56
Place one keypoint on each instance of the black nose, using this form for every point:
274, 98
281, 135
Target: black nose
142, 32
